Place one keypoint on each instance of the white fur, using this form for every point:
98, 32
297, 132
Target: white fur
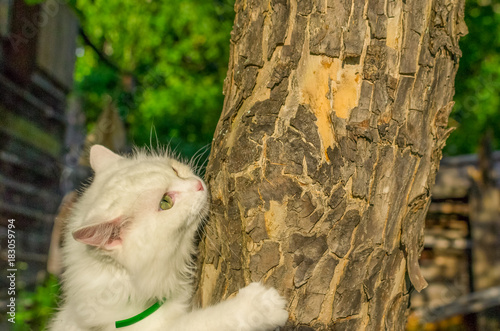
116, 279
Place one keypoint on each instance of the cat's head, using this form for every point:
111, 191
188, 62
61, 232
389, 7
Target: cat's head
138, 204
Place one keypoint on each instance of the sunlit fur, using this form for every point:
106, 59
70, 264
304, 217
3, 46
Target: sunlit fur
104, 282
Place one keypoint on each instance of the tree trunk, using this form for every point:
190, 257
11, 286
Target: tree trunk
325, 153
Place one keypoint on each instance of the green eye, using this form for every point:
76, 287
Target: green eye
166, 202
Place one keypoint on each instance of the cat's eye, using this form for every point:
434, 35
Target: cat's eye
166, 202
176, 172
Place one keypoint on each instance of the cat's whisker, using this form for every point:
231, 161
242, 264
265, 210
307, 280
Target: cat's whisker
157, 141
203, 165
199, 153
195, 159
151, 130
206, 236
206, 232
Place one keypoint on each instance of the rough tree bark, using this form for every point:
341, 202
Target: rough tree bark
325, 153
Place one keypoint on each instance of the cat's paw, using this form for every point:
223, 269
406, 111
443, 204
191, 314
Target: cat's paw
264, 308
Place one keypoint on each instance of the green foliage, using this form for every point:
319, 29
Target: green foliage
477, 97
35, 308
171, 59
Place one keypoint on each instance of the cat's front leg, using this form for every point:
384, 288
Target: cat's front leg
261, 308
255, 308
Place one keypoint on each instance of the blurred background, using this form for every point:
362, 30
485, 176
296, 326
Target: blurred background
122, 73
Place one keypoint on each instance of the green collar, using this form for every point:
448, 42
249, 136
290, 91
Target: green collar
138, 317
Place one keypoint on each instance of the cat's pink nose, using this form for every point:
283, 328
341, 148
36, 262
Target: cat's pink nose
199, 186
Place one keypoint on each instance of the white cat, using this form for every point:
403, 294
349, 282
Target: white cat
127, 254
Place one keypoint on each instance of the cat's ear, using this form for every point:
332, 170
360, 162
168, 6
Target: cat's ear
107, 235
101, 157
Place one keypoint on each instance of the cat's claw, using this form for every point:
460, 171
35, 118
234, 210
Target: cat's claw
264, 308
